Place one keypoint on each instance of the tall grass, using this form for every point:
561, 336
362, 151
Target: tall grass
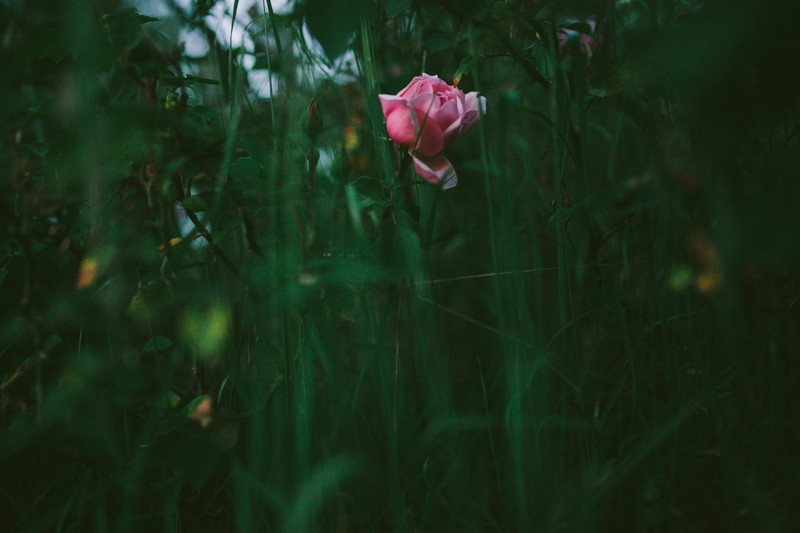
595, 330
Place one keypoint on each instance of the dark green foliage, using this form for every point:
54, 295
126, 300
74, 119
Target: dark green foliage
333, 24
225, 307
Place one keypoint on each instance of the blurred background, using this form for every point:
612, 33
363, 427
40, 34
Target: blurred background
228, 304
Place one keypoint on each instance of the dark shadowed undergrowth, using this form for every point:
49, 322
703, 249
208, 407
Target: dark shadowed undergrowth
229, 304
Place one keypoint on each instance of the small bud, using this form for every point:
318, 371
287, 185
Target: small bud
312, 120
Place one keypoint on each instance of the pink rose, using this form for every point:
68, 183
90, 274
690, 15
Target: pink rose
425, 117
586, 44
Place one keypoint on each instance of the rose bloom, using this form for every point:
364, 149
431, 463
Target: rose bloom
425, 117
586, 44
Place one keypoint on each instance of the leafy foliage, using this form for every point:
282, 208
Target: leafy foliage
229, 304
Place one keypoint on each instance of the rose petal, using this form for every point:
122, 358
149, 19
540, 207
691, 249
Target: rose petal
470, 109
430, 139
475, 107
425, 103
471, 101
411, 90
470, 118
449, 118
436, 170
390, 102
459, 101
453, 131
446, 114
401, 126
426, 88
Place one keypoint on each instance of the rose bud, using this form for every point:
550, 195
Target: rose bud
312, 120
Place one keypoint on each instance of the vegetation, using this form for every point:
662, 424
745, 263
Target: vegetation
228, 302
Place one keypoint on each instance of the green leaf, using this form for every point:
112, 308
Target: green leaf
561, 216
399, 250
193, 455
197, 79
353, 271
599, 92
681, 278
39, 148
125, 28
204, 113
245, 168
463, 69
195, 203
333, 24
206, 331
437, 40
156, 343
51, 342
396, 7
369, 193
60, 48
